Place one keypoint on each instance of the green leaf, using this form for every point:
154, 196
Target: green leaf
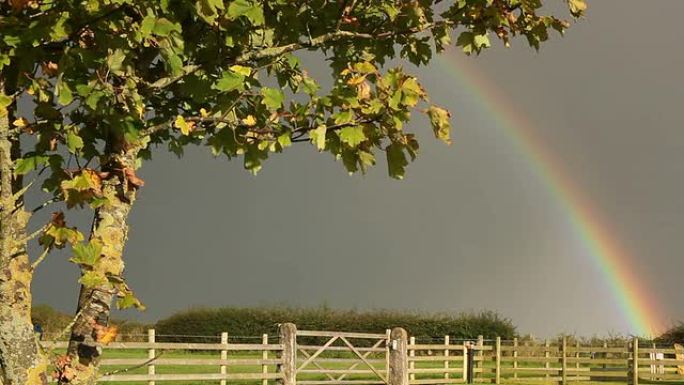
481, 41
64, 94
115, 61
366, 159
342, 117
163, 27
284, 140
25, 165
411, 92
147, 25
317, 137
396, 160
439, 118
74, 142
391, 10
365, 68
242, 70
87, 254
309, 86
58, 30
466, 40
230, 81
93, 279
273, 98
352, 135
4, 102
128, 301
250, 9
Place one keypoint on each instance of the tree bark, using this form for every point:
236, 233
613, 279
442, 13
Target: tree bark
21, 359
110, 227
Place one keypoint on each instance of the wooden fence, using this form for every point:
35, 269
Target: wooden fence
337, 358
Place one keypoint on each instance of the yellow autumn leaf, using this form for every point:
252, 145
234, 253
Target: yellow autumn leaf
363, 91
20, 122
249, 121
356, 80
184, 126
203, 113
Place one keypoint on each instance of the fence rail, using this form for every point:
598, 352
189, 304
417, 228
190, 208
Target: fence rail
340, 358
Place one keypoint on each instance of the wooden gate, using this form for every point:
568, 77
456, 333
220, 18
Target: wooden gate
329, 358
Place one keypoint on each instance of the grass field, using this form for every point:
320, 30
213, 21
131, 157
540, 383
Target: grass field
192, 369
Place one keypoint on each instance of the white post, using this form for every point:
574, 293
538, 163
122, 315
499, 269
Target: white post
412, 363
515, 357
223, 369
465, 362
446, 354
264, 356
150, 354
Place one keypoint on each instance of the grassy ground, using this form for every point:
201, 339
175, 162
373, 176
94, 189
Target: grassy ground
191, 369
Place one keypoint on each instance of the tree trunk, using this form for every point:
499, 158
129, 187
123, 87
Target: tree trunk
21, 361
94, 304
20, 356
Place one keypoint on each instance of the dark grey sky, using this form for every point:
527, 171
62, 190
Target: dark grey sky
472, 227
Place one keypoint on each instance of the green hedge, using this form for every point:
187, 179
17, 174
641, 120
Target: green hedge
674, 335
256, 321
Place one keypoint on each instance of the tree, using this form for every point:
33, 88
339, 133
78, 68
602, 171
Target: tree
88, 89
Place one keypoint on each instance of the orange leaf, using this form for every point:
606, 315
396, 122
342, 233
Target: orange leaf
105, 335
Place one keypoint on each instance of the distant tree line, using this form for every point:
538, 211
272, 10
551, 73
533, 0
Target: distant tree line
52, 323
255, 321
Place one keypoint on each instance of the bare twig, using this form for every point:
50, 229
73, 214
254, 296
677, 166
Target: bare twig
40, 259
151, 360
34, 234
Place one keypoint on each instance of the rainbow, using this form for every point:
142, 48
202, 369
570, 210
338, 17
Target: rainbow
614, 263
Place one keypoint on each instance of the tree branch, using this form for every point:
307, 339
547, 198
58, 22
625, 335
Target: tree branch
40, 259
334, 36
35, 233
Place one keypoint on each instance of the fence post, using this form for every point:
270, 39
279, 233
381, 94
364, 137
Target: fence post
471, 363
577, 356
635, 361
412, 363
605, 354
388, 342
480, 354
497, 369
466, 359
223, 369
547, 364
264, 356
564, 360
151, 354
446, 354
398, 368
515, 357
287, 333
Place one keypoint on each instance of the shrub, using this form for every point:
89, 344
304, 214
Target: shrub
259, 320
674, 335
